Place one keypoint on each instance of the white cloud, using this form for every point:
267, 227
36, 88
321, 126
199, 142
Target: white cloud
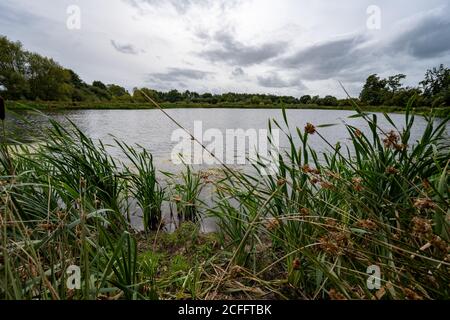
284, 47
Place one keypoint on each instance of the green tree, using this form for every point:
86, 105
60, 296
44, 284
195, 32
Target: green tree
100, 85
47, 79
394, 82
374, 91
75, 80
174, 96
117, 91
13, 69
436, 86
330, 101
138, 95
306, 99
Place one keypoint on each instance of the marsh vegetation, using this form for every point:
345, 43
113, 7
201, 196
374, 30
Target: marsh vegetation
310, 232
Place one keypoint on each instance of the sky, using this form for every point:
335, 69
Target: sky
284, 47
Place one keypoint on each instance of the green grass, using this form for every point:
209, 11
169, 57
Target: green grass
310, 232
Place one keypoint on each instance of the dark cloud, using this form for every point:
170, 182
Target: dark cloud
176, 78
327, 59
429, 37
238, 72
179, 74
234, 52
353, 57
124, 48
273, 80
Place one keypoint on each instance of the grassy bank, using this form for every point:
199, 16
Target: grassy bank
309, 232
54, 106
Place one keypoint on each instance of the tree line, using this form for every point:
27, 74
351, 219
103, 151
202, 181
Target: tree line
29, 76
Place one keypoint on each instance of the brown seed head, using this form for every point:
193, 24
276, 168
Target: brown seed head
424, 204
391, 170
272, 224
304, 211
391, 139
411, 295
296, 264
310, 129
357, 184
421, 227
334, 295
426, 184
367, 224
327, 185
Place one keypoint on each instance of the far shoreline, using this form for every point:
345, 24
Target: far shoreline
68, 105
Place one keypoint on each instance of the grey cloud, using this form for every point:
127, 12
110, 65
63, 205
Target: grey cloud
176, 78
273, 80
327, 59
11, 15
429, 37
124, 48
14, 20
179, 74
351, 57
234, 52
182, 6
238, 72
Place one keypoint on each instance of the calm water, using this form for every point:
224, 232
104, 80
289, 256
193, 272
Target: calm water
153, 130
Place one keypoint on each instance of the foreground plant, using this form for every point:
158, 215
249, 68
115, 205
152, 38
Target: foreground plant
325, 219
145, 188
312, 231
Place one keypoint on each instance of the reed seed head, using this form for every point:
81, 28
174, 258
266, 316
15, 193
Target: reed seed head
411, 295
327, 185
314, 180
424, 204
334, 295
357, 184
310, 128
421, 227
426, 184
391, 139
367, 224
304, 211
272, 224
391, 170
296, 264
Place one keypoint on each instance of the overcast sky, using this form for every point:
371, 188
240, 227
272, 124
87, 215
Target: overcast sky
293, 47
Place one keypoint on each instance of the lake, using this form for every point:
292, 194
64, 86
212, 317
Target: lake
153, 130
